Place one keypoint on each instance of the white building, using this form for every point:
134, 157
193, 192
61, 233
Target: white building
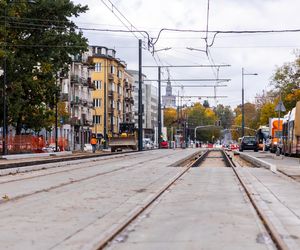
169, 100
150, 104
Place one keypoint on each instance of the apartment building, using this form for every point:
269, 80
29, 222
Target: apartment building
109, 79
128, 98
81, 105
150, 105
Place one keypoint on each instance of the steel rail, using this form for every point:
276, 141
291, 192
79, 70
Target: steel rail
278, 241
74, 181
139, 210
33, 162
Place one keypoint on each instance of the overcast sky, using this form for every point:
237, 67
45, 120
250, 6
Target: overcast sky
256, 53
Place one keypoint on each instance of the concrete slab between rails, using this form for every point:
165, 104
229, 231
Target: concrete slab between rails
187, 158
34, 155
258, 162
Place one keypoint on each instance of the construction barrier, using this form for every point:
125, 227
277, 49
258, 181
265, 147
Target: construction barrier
19, 144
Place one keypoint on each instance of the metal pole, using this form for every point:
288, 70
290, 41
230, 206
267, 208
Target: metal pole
105, 106
56, 120
278, 150
4, 151
243, 111
159, 107
140, 111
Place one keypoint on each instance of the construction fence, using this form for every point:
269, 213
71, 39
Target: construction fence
17, 144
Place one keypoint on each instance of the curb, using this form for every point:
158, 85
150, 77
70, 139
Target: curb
258, 162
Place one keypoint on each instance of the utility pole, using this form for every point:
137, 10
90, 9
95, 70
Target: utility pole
56, 120
140, 109
243, 108
159, 107
105, 107
243, 111
4, 132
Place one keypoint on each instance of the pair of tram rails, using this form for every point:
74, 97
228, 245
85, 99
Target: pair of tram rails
196, 161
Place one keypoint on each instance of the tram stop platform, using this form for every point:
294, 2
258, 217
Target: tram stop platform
289, 166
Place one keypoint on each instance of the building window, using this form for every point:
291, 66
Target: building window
98, 67
118, 105
97, 102
119, 89
97, 119
120, 73
113, 87
112, 69
98, 84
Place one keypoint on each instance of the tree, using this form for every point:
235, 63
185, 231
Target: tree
251, 120
287, 81
170, 117
225, 115
170, 120
201, 116
267, 111
40, 39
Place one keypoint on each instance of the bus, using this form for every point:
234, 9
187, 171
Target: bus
291, 132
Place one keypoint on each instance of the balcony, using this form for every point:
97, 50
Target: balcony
84, 81
74, 121
85, 121
76, 79
90, 105
64, 97
77, 58
110, 76
84, 102
88, 123
76, 101
111, 110
111, 93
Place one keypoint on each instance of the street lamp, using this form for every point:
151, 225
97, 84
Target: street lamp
243, 110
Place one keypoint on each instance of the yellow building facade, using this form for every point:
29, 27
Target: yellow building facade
108, 96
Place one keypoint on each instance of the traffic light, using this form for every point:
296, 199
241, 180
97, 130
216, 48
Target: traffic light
218, 123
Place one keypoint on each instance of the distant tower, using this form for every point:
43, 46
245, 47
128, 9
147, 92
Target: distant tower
169, 100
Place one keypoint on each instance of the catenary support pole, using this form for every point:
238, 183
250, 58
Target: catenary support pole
159, 108
140, 111
243, 108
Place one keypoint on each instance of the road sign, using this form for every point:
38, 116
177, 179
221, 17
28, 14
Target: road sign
280, 107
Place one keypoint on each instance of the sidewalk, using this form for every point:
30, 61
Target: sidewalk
287, 165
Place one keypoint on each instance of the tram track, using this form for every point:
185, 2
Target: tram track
279, 242
116, 230
132, 199
113, 232
71, 180
33, 162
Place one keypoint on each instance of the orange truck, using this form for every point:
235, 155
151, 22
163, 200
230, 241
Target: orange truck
275, 126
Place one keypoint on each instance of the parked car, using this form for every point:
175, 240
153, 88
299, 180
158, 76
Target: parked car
248, 143
50, 148
164, 144
148, 144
